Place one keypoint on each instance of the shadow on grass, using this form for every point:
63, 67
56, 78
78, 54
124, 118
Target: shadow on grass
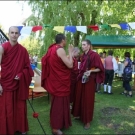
113, 114
121, 121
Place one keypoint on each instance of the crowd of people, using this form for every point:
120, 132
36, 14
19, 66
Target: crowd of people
70, 80
88, 72
111, 65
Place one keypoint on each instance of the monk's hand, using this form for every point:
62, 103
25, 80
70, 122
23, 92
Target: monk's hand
16, 78
1, 90
70, 48
87, 73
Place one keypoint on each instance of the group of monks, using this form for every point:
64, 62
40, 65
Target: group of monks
69, 80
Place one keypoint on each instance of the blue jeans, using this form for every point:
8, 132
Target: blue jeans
126, 85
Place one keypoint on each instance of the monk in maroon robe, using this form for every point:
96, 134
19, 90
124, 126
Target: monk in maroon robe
16, 75
74, 73
56, 69
91, 72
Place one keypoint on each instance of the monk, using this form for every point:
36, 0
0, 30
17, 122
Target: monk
91, 72
74, 73
56, 69
16, 75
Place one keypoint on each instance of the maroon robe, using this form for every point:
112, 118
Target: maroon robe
74, 73
13, 110
56, 80
85, 92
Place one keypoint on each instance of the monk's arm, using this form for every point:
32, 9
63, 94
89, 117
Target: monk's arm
62, 54
90, 71
95, 70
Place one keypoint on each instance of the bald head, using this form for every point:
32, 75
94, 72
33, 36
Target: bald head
76, 49
13, 27
76, 52
13, 34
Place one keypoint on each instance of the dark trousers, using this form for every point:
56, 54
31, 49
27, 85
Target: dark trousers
35, 64
109, 74
126, 85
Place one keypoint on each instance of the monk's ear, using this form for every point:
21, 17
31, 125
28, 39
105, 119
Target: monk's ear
91, 47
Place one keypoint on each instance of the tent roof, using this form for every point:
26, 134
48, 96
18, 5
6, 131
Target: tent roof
112, 41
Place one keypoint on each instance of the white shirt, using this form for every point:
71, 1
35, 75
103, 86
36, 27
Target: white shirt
35, 58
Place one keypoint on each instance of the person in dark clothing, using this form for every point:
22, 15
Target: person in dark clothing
127, 70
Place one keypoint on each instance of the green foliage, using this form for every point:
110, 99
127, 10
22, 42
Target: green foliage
82, 13
32, 45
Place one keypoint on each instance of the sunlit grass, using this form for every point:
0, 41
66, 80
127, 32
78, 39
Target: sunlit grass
119, 120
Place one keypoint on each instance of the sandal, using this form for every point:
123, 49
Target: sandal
58, 132
86, 127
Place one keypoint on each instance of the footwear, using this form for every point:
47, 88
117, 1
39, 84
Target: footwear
129, 95
123, 93
105, 92
24, 133
58, 132
87, 126
76, 118
99, 92
110, 93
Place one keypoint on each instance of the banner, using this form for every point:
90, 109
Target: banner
3, 37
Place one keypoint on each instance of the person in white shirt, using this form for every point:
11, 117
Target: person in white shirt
35, 59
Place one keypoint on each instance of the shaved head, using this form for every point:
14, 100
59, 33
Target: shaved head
76, 49
76, 52
13, 27
13, 34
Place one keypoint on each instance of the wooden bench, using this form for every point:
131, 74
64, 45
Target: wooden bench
36, 87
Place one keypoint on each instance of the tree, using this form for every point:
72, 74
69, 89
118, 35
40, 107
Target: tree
84, 12
31, 45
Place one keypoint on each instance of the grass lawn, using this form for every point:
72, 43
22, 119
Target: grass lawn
39, 65
113, 114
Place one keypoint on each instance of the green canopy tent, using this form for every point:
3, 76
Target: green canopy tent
112, 41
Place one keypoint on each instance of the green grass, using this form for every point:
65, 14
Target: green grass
113, 114
39, 65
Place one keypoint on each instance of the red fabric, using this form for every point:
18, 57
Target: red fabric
85, 92
36, 28
15, 61
13, 114
83, 106
55, 74
74, 73
60, 112
95, 62
94, 27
